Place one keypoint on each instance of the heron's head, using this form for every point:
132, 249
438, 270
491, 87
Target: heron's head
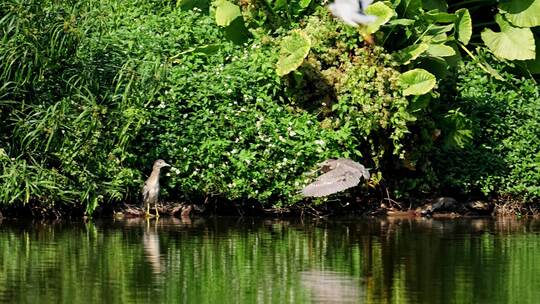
160, 163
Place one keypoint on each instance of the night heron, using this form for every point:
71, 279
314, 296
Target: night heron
340, 174
150, 190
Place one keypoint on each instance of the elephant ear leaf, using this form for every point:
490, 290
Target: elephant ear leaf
522, 13
383, 14
463, 25
293, 49
511, 42
226, 12
417, 82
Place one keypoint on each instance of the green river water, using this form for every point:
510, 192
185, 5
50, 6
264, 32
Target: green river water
251, 260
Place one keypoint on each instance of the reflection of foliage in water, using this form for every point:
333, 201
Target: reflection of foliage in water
229, 260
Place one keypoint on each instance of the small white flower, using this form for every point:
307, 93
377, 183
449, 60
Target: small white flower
161, 106
320, 142
211, 166
350, 12
292, 133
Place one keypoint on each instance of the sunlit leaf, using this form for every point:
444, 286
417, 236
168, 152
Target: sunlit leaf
410, 53
293, 49
522, 13
226, 12
404, 22
511, 42
440, 50
436, 16
383, 14
304, 3
463, 25
417, 82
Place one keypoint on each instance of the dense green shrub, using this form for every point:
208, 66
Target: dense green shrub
92, 93
233, 129
504, 156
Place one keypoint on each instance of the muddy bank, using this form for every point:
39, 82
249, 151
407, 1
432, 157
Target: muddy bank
447, 207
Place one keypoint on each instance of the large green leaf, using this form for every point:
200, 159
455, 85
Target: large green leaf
511, 42
410, 53
522, 13
440, 50
293, 49
437, 33
383, 14
417, 82
436, 16
403, 22
226, 12
463, 25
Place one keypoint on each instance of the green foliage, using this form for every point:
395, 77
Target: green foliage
235, 130
226, 12
229, 132
293, 50
503, 43
463, 26
383, 14
91, 94
503, 157
522, 13
417, 82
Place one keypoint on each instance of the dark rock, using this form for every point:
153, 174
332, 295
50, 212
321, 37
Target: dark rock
442, 204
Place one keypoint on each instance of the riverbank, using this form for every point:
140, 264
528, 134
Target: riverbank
447, 207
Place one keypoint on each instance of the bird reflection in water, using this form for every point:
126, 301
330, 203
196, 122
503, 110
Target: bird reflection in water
151, 247
332, 287
150, 240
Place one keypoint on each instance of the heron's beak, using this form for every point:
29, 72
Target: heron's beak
166, 165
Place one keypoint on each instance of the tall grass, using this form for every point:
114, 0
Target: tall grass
65, 109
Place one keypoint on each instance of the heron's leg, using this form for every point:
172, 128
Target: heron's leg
147, 213
157, 213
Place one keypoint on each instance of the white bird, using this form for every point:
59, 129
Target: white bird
350, 12
341, 174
